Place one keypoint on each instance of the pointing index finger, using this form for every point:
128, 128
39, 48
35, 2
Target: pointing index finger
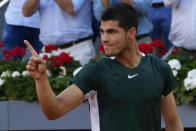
33, 52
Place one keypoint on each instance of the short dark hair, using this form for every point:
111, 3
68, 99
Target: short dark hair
125, 14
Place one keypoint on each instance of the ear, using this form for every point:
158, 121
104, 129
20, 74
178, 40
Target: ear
131, 33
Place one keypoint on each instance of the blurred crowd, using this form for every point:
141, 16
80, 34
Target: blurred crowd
73, 25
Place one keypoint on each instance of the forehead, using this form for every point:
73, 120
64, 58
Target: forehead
109, 24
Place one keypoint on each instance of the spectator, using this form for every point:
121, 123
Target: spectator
161, 19
17, 27
66, 24
183, 26
142, 7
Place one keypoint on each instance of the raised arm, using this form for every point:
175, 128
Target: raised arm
30, 7
52, 106
170, 116
66, 5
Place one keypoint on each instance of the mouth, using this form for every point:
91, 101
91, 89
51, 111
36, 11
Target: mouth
107, 46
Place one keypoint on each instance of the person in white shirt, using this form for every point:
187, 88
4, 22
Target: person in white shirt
66, 24
17, 27
183, 25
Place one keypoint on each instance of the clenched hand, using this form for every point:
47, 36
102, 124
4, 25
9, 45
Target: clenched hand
35, 66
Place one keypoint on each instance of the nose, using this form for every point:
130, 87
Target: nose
104, 37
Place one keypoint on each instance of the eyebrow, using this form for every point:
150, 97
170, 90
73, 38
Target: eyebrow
109, 30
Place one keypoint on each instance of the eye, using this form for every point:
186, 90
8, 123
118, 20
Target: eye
112, 31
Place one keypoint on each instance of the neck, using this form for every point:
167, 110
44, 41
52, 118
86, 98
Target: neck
130, 58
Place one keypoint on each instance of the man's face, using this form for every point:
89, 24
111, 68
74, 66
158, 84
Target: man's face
113, 38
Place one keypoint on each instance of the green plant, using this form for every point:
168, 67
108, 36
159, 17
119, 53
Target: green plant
186, 89
17, 84
183, 64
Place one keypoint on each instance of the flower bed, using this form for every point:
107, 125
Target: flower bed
183, 67
17, 84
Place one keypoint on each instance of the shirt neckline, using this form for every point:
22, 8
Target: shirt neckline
139, 64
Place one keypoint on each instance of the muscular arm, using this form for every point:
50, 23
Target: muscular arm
171, 119
56, 106
52, 106
66, 5
29, 7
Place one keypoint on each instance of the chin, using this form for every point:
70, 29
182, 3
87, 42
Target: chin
109, 54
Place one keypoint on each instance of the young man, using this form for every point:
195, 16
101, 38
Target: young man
142, 7
125, 93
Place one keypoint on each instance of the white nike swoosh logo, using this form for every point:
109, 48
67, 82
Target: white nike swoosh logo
132, 76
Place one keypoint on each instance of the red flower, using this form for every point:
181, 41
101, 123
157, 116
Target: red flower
61, 59
161, 52
21, 52
18, 51
145, 48
7, 58
159, 46
45, 57
6, 51
49, 48
101, 49
1, 44
65, 57
48, 68
174, 51
54, 61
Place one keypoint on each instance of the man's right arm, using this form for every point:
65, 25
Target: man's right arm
30, 7
56, 106
53, 106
